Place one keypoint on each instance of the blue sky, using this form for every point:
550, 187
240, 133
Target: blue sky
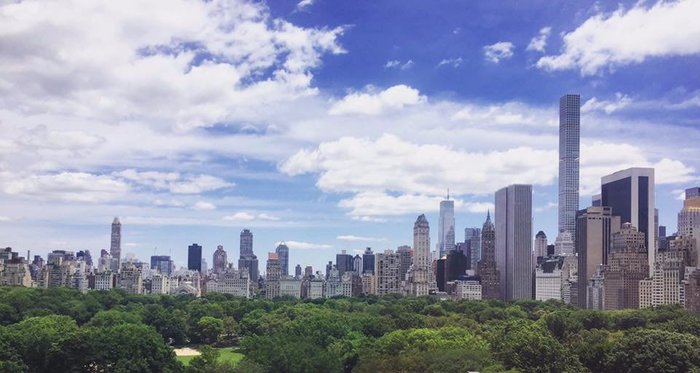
329, 125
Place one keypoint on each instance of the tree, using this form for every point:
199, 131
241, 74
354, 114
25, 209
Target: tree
209, 328
649, 350
45, 343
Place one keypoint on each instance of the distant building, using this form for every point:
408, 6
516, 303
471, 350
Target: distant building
564, 244
595, 291
344, 262
569, 154
627, 266
357, 264
421, 278
129, 279
465, 289
405, 260
160, 284
446, 227
282, 251
488, 269
630, 194
595, 228
162, 264
248, 259
273, 274
297, 272
472, 239
514, 241
219, 260
689, 216
194, 257
368, 261
540, 245
290, 287
386, 269
548, 279
115, 249
234, 282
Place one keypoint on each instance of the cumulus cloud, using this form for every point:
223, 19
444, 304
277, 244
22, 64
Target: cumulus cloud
609, 107
539, 42
303, 4
454, 62
187, 63
374, 103
497, 52
66, 186
629, 36
509, 113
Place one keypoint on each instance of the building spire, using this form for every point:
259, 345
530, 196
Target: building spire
448, 194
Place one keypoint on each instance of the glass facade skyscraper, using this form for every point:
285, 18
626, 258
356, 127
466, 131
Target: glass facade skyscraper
446, 227
569, 151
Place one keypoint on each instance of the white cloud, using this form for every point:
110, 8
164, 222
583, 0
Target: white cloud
204, 206
4, 218
372, 103
509, 113
66, 186
497, 52
454, 62
609, 107
629, 36
301, 245
353, 238
539, 42
173, 181
303, 4
396, 64
248, 216
173, 63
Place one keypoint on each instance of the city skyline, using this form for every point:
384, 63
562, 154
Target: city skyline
331, 136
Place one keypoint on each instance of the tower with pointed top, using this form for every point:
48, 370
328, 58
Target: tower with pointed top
421, 279
446, 226
490, 276
115, 248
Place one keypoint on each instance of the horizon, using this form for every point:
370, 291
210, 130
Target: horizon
323, 125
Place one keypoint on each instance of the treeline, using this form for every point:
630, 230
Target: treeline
62, 330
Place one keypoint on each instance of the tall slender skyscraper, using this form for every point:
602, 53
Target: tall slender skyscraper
219, 260
421, 278
630, 193
514, 241
569, 145
115, 249
446, 226
488, 270
246, 242
194, 257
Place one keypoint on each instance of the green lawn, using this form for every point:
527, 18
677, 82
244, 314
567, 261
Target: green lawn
225, 354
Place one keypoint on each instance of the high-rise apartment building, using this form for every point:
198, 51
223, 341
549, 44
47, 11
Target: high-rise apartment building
627, 266
569, 152
386, 269
248, 259
405, 260
446, 226
689, 216
595, 227
488, 269
564, 244
283, 253
194, 257
540, 245
273, 273
630, 193
115, 248
421, 279
513, 217
219, 260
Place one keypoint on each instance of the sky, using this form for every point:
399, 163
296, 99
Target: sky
330, 125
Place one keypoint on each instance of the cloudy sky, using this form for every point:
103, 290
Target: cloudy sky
327, 124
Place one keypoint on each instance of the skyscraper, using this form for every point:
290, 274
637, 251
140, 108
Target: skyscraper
219, 260
488, 271
446, 226
514, 241
283, 253
421, 278
689, 216
540, 245
472, 237
564, 244
569, 143
405, 260
273, 273
115, 248
368, 261
194, 257
595, 227
248, 259
344, 262
627, 266
630, 193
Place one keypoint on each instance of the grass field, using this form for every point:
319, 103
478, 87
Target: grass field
225, 354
